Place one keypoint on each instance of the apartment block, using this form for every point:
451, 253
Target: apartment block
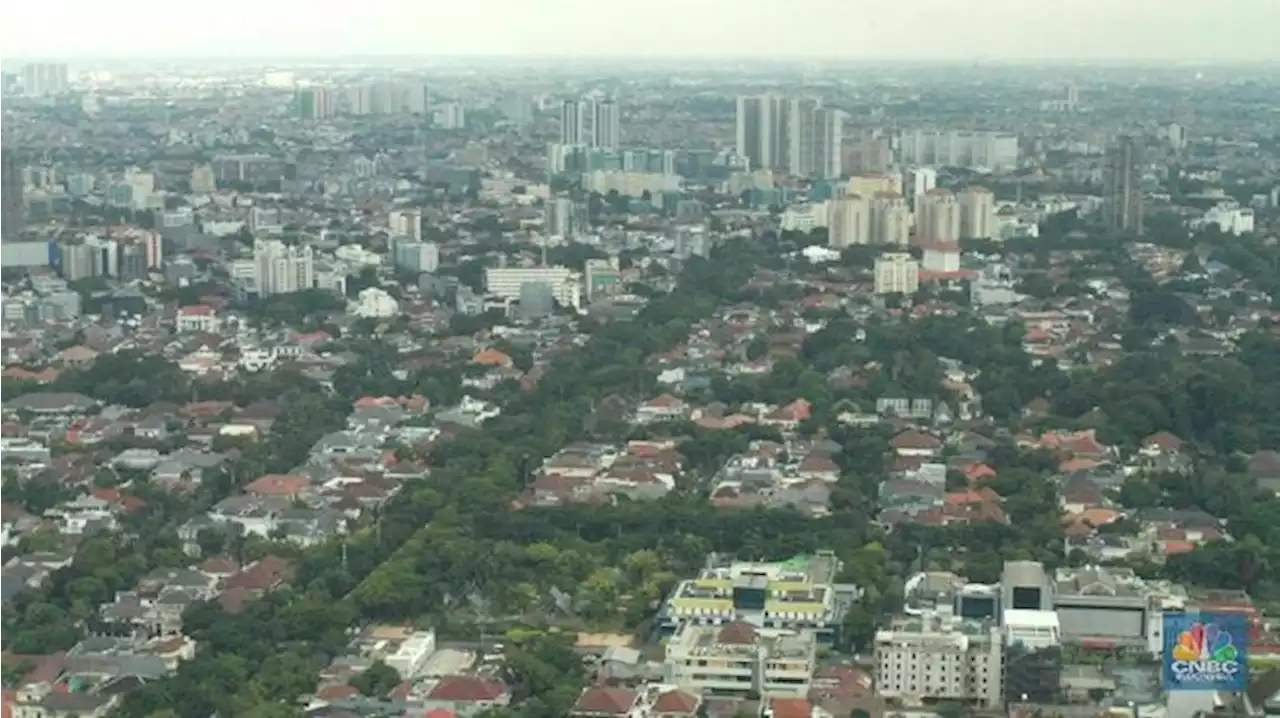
737, 659
938, 656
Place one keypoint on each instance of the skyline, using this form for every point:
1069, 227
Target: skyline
996, 31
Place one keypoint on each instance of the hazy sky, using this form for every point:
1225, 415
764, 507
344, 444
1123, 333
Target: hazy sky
854, 29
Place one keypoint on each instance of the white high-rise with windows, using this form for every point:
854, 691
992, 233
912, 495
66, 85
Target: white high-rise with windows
977, 213
941, 658
850, 222
828, 162
573, 123
890, 220
282, 269
897, 273
405, 223
606, 130
937, 217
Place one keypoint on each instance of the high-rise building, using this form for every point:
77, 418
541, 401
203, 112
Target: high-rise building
573, 123
315, 103
1122, 187
937, 217
416, 256
890, 220
282, 269
828, 143
757, 118
405, 223
850, 222
11, 190
897, 273
977, 213
559, 219
606, 125
801, 139
990, 150
41, 79
917, 181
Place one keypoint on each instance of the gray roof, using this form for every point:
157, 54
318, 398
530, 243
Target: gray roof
46, 401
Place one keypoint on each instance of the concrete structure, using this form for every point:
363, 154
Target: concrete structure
850, 218
12, 186
941, 258
897, 273
417, 256
796, 594
42, 79
940, 657
1025, 586
977, 213
375, 303
758, 136
1229, 217
937, 217
606, 125
412, 655
603, 277
281, 268
950, 148
740, 660
405, 223
1031, 630
1122, 201
505, 282
558, 220
573, 123
890, 220
917, 181
1105, 607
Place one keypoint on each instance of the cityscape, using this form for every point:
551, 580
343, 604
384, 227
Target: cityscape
465, 388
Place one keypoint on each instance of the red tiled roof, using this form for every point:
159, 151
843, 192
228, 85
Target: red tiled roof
676, 702
467, 689
791, 708
605, 701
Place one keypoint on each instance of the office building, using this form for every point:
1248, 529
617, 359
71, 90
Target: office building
796, 594
416, 256
573, 122
281, 268
738, 659
505, 282
203, 180
993, 151
537, 299
897, 273
850, 222
937, 656
405, 223
1122, 187
938, 217
11, 190
75, 260
1106, 607
977, 213
606, 125
43, 79
890, 220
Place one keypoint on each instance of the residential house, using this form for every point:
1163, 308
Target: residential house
467, 696
914, 443
665, 407
604, 702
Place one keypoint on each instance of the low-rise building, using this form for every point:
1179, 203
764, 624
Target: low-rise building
938, 656
737, 659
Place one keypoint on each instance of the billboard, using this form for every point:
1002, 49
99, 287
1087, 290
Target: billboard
1206, 652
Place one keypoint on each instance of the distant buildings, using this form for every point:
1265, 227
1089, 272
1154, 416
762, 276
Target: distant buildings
950, 148
1122, 187
42, 79
897, 273
505, 282
850, 222
11, 189
405, 223
606, 126
938, 217
796, 135
281, 268
416, 256
793, 595
588, 122
977, 213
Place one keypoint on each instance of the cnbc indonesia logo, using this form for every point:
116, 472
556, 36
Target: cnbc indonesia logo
1204, 653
